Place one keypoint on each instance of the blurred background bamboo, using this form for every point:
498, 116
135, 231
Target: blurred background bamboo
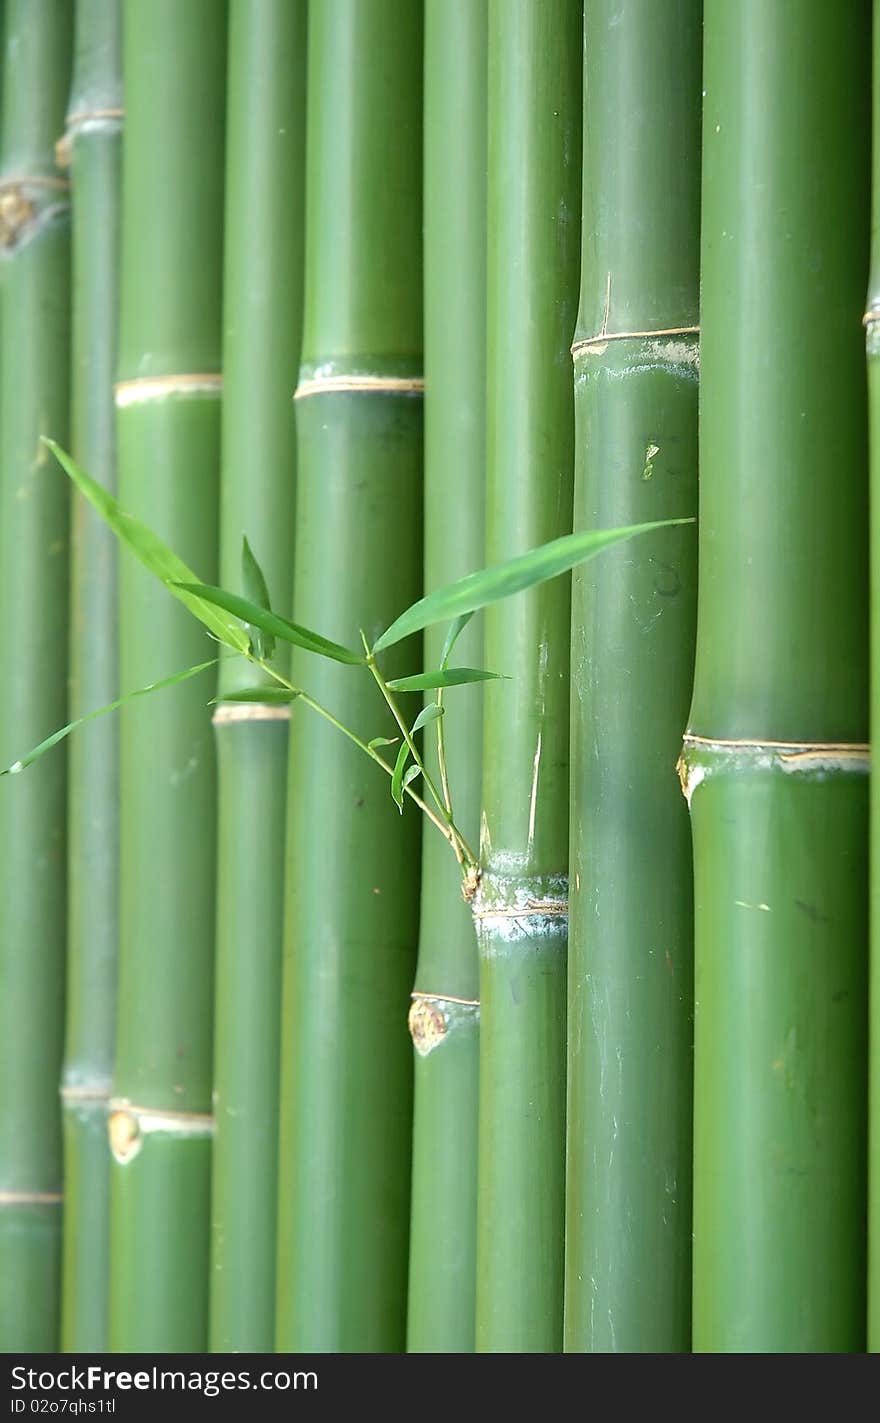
636, 1028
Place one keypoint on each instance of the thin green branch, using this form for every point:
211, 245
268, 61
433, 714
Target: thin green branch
449, 832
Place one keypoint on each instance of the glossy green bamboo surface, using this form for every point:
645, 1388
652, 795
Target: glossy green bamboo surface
775, 773
352, 860
94, 141
159, 1195
443, 1214
630, 1028
534, 125
174, 60
872, 333
34, 271
262, 326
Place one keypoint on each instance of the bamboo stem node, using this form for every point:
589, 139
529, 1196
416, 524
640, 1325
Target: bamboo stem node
30, 1198
148, 388
19, 204
74, 1093
507, 908
128, 1124
106, 120
233, 712
813, 758
346, 384
432, 1017
602, 338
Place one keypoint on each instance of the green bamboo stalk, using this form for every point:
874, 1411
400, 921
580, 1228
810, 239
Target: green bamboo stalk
533, 230
168, 425
93, 147
352, 864
628, 1194
872, 333
775, 764
262, 327
35, 258
444, 1019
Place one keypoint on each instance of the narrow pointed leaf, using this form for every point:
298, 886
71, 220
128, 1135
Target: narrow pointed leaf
452, 677
270, 696
274, 623
397, 776
254, 585
489, 585
155, 555
429, 713
455, 628
65, 731
382, 741
252, 579
411, 774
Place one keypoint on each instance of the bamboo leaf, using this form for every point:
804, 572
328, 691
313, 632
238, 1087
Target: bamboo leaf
254, 585
489, 585
382, 741
397, 776
410, 775
155, 555
429, 713
271, 696
455, 628
274, 623
452, 677
65, 731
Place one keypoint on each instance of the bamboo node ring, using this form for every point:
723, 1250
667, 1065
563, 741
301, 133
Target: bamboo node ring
129, 1123
231, 712
382, 385
31, 1198
601, 338
146, 388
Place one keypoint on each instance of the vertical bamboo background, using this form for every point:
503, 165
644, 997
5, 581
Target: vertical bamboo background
93, 144
636, 352
262, 318
168, 428
872, 333
346, 1089
533, 230
34, 539
775, 762
345, 299
444, 1017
